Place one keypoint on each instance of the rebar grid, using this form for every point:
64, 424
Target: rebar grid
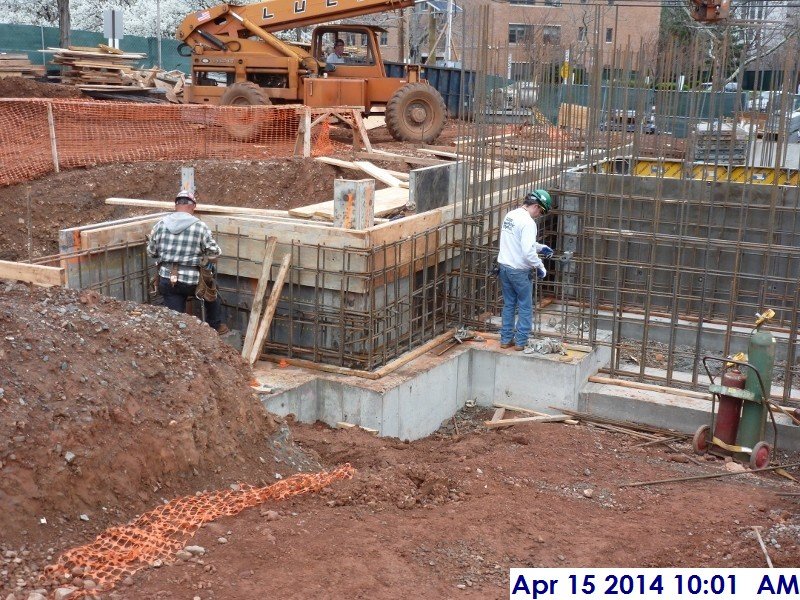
683, 218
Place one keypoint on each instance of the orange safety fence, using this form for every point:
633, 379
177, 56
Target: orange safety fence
36, 134
157, 535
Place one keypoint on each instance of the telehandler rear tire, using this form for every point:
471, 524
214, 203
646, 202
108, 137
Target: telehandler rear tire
244, 126
416, 113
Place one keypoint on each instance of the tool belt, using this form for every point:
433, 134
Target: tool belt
207, 286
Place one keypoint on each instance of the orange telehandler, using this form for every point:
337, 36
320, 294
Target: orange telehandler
236, 60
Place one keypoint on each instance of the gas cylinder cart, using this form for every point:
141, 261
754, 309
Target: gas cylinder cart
739, 425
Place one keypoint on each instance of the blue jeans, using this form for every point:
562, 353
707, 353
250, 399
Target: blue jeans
175, 297
517, 287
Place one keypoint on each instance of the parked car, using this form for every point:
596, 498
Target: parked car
731, 86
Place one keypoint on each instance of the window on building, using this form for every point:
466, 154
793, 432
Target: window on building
609, 35
384, 39
551, 34
552, 2
350, 39
523, 2
518, 33
364, 39
581, 34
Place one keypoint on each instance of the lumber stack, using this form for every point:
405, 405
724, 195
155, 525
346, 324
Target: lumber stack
102, 68
722, 143
19, 65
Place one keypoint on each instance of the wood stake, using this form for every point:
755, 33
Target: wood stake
269, 312
757, 529
258, 298
51, 123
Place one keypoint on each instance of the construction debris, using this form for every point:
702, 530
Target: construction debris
709, 476
545, 346
107, 69
19, 65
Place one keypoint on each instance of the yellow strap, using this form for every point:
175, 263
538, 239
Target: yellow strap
718, 442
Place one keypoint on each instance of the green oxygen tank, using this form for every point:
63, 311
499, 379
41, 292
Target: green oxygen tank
760, 354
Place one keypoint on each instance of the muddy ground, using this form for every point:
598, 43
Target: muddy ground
111, 408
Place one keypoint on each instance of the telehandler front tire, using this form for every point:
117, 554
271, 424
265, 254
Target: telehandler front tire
244, 126
416, 113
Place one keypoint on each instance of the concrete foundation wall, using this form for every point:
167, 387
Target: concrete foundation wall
415, 404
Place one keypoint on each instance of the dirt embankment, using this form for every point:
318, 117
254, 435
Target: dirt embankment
22, 87
76, 197
108, 406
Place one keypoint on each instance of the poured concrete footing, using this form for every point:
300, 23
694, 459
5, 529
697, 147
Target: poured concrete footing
681, 413
415, 400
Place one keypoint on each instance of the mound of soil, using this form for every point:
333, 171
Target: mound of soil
21, 87
76, 197
107, 407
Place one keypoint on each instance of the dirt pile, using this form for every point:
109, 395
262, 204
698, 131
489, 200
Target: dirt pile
76, 197
106, 407
21, 87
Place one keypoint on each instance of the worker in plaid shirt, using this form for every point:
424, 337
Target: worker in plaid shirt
179, 242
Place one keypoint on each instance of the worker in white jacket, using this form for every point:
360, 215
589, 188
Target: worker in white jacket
518, 258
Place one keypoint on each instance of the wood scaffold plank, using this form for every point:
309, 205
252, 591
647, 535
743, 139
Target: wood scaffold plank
40, 275
258, 298
269, 311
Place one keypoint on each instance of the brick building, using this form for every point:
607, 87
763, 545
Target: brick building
528, 30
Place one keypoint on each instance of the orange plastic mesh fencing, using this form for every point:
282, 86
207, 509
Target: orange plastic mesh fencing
157, 535
37, 134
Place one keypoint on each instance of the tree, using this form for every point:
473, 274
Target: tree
63, 23
755, 31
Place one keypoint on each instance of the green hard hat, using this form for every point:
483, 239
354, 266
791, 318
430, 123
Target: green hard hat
540, 197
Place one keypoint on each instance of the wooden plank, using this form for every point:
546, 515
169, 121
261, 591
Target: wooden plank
573, 116
337, 162
131, 233
346, 425
506, 422
528, 411
269, 311
387, 201
258, 298
435, 152
392, 157
201, 208
35, 274
380, 174
649, 387
499, 413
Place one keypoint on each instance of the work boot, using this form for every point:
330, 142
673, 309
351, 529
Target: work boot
223, 329
519, 348
507, 344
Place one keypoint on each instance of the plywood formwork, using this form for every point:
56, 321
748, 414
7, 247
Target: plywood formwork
354, 298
